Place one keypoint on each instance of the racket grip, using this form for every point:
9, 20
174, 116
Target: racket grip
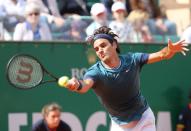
62, 81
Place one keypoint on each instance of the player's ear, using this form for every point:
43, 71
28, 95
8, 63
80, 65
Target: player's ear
116, 44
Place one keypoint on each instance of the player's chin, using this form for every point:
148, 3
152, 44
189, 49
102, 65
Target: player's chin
103, 59
106, 58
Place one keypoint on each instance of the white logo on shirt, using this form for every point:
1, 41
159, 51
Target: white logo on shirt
127, 70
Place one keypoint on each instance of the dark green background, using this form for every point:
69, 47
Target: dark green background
164, 84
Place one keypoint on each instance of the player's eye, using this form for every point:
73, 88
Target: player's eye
103, 45
96, 49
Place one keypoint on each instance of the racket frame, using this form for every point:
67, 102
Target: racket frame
43, 69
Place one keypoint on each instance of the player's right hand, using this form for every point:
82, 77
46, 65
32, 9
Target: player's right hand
179, 46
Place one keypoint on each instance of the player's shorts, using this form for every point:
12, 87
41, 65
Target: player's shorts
146, 123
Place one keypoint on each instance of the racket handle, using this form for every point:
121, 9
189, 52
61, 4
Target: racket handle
62, 81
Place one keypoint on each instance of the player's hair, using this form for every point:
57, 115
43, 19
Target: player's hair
50, 107
104, 32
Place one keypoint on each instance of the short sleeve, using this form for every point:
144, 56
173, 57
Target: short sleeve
141, 58
91, 73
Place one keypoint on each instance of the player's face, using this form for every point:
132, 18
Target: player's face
104, 49
53, 119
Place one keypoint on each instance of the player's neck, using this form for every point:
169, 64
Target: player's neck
114, 63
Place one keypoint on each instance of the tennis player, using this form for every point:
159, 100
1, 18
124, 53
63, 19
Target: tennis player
116, 81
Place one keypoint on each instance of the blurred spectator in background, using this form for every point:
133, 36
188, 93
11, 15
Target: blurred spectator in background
77, 31
51, 14
108, 4
138, 11
4, 34
186, 35
12, 12
138, 17
184, 119
99, 15
120, 25
51, 119
33, 28
69, 8
158, 23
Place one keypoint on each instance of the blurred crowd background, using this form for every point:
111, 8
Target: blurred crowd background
134, 21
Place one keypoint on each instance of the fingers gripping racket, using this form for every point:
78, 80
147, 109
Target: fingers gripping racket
26, 72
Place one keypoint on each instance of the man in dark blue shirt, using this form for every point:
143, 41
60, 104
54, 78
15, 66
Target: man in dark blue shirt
116, 81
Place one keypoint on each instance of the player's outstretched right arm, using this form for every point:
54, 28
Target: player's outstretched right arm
80, 86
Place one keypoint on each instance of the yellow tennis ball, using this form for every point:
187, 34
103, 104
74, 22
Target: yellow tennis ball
62, 81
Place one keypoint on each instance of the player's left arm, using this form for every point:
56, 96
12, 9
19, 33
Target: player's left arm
168, 52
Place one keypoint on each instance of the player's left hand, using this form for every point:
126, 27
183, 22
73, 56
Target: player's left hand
73, 84
179, 46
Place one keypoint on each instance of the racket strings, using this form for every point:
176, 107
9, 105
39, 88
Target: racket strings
25, 72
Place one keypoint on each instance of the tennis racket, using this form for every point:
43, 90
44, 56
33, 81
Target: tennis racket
26, 72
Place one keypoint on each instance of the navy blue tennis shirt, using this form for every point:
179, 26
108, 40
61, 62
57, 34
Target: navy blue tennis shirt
118, 89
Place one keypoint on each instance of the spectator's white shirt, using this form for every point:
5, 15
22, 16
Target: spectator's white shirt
186, 35
23, 33
14, 12
7, 36
11, 9
123, 30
